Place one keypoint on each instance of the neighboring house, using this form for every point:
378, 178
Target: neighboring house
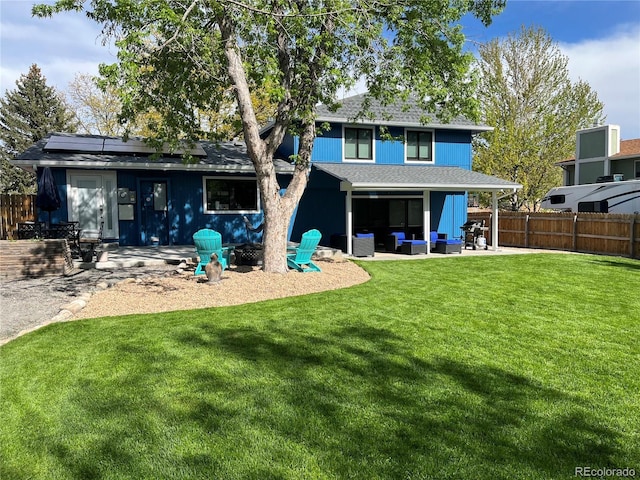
359, 181
602, 156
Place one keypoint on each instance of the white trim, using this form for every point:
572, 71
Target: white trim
433, 146
227, 178
349, 218
426, 219
344, 186
376, 196
373, 144
156, 166
494, 222
439, 126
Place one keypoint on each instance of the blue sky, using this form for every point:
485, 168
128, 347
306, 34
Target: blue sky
601, 39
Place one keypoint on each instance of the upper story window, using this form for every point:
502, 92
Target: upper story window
419, 146
358, 143
230, 195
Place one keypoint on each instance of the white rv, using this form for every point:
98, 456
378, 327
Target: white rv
608, 197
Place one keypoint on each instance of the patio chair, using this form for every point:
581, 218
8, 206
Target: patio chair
362, 244
301, 259
88, 241
208, 242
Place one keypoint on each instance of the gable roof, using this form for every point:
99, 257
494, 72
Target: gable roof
396, 114
219, 157
413, 177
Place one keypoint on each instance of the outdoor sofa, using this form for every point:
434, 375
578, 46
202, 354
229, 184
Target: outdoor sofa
363, 244
397, 242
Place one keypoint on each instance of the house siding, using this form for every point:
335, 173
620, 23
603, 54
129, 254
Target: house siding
185, 207
448, 209
323, 189
453, 149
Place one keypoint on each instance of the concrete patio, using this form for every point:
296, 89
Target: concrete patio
126, 257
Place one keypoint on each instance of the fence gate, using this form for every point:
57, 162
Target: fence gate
13, 210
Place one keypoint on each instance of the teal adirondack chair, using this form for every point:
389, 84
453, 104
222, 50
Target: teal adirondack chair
207, 242
301, 259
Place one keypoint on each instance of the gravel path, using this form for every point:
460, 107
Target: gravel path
30, 303
26, 304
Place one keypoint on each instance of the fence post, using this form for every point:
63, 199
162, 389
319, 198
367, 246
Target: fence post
632, 237
575, 232
526, 231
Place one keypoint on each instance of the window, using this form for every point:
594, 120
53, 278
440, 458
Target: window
237, 195
556, 199
637, 168
419, 146
358, 143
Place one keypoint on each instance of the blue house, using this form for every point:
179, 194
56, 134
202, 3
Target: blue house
415, 178
398, 169
143, 200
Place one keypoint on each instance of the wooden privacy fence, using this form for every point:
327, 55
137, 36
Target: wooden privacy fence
602, 233
13, 210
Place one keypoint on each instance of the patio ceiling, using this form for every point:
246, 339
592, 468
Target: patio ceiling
409, 177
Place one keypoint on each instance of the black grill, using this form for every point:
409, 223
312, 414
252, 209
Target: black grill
473, 234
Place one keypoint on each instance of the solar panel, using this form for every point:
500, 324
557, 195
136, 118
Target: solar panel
137, 146
74, 144
133, 146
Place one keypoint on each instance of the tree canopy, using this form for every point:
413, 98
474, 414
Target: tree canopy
180, 58
527, 95
28, 114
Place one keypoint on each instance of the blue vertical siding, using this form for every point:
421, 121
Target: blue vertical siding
448, 212
390, 152
322, 206
328, 145
453, 148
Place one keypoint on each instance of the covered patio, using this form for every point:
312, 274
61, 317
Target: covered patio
371, 181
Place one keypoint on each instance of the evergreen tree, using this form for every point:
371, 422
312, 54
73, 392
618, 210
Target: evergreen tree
27, 114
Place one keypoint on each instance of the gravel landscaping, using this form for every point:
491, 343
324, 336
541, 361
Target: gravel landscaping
28, 304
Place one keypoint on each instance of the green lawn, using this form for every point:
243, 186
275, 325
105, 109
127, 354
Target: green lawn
496, 367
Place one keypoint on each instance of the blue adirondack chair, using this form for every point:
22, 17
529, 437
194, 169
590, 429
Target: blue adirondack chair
301, 259
208, 242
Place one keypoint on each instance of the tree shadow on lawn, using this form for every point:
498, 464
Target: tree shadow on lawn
628, 263
358, 394
355, 402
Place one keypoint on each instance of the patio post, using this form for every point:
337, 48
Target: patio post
494, 221
349, 209
426, 217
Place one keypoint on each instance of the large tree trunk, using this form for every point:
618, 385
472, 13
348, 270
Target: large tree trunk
277, 208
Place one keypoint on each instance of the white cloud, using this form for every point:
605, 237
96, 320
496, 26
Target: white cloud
611, 66
61, 46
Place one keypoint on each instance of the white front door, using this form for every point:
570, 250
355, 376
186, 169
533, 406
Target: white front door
92, 200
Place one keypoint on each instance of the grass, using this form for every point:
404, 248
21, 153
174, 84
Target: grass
510, 367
